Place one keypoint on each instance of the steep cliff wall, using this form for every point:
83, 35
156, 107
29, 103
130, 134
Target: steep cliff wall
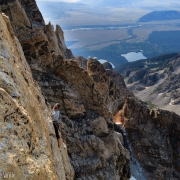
89, 96
95, 150
28, 145
154, 138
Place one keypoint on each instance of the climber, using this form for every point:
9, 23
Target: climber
55, 115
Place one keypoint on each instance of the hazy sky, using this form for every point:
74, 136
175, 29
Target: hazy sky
60, 0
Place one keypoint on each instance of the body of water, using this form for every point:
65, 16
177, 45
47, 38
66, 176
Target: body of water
99, 27
134, 56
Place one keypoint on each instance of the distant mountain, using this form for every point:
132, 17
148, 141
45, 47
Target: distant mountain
56, 10
155, 81
160, 16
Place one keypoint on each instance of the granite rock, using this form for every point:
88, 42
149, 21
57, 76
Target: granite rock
154, 138
28, 145
95, 150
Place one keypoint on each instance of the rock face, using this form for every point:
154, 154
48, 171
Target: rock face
90, 96
82, 62
107, 65
154, 138
155, 81
25, 151
95, 150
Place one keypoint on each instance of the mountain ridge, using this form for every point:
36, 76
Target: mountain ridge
90, 148
160, 16
37, 71
155, 80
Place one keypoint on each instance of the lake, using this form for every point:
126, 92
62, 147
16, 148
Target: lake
134, 56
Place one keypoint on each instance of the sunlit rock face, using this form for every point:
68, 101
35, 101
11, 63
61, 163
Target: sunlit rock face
89, 96
81, 61
95, 150
154, 138
28, 145
39, 41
